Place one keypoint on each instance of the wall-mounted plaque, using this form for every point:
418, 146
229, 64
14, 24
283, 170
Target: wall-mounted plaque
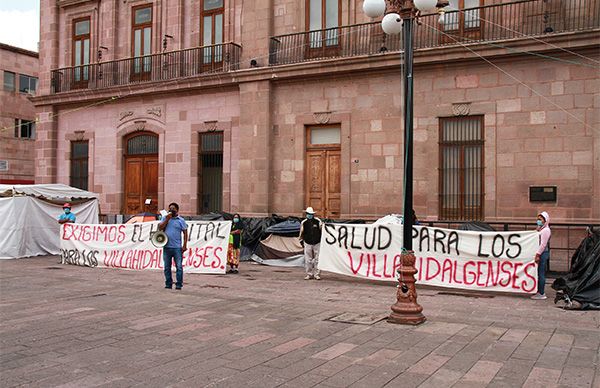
542, 193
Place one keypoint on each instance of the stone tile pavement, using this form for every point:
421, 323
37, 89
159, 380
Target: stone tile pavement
69, 326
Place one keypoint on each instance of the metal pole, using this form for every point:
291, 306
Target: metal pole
406, 310
408, 221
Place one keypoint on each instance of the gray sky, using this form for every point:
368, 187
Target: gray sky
20, 23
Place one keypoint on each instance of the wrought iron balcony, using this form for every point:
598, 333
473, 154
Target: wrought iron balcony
519, 19
150, 68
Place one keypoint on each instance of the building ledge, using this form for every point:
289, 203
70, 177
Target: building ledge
458, 55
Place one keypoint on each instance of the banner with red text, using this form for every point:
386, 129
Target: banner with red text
485, 261
129, 246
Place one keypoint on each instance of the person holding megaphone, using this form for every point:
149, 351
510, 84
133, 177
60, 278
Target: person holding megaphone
174, 226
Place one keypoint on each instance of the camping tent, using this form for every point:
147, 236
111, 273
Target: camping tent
28, 215
281, 247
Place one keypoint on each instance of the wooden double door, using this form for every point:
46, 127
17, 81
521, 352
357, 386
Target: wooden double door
141, 174
323, 181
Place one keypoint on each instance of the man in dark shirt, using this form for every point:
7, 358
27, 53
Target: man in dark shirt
310, 234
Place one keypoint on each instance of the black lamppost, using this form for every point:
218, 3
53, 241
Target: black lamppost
399, 17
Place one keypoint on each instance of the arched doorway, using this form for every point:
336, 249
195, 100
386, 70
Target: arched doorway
141, 172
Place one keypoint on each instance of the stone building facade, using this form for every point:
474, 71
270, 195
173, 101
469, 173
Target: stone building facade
264, 107
19, 70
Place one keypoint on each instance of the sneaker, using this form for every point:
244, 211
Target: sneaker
169, 287
317, 277
178, 288
235, 271
539, 297
307, 277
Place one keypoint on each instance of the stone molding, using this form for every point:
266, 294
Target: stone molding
461, 108
125, 114
322, 117
141, 115
156, 111
67, 3
211, 126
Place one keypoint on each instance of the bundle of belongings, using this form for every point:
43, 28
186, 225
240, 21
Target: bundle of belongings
580, 288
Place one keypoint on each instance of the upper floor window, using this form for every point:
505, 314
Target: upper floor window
142, 37
81, 49
461, 168
24, 129
323, 16
9, 81
27, 84
212, 29
464, 18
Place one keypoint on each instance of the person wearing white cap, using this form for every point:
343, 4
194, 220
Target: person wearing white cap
542, 256
310, 235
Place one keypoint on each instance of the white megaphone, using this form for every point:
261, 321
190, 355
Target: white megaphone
159, 239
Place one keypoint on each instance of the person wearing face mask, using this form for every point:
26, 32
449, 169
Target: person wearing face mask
67, 216
174, 226
310, 235
235, 242
542, 256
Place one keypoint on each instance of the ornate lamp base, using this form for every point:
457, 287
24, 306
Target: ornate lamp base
406, 310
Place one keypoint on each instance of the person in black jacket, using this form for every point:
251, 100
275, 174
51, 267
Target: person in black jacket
310, 235
235, 243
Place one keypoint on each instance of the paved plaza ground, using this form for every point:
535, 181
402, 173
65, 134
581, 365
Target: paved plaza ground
63, 325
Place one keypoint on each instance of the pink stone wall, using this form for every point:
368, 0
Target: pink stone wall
538, 133
13, 104
369, 117
111, 28
541, 116
176, 119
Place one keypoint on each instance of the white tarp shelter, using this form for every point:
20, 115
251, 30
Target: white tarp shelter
29, 213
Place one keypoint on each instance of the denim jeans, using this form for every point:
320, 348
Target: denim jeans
543, 264
168, 255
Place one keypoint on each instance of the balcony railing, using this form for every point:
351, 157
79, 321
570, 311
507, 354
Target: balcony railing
518, 19
156, 67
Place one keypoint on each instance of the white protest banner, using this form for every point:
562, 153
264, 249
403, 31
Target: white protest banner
486, 261
129, 246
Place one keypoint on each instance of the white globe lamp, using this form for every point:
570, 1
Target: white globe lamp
391, 24
425, 5
374, 8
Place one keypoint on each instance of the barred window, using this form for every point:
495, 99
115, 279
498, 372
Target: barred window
142, 145
210, 172
79, 164
461, 168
